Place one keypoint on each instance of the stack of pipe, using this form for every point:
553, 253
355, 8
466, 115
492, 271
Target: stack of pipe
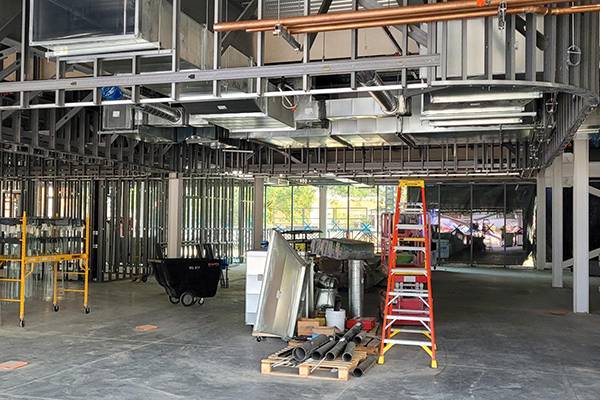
341, 345
329, 347
360, 338
446, 11
319, 353
304, 352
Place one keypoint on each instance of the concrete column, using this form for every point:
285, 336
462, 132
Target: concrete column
174, 216
540, 221
557, 222
581, 250
323, 211
258, 212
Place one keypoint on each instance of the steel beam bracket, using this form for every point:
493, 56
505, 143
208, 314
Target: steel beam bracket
502, 7
282, 32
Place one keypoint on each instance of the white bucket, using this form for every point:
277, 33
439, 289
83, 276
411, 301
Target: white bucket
336, 318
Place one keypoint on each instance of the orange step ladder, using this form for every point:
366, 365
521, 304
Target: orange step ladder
408, 308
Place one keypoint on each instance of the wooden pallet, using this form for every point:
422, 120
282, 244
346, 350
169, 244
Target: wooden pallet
371, 349
336, 370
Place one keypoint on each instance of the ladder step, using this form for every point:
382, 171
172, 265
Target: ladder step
409, 248
409, 271
415, 312
410, 226
408, 204
407, 318
410, 293
404, 342
412, 239
411, 211
415, 331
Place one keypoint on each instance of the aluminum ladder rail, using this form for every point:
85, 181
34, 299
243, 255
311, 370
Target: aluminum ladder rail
408, 310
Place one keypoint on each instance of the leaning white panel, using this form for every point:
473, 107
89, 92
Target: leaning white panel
281, 291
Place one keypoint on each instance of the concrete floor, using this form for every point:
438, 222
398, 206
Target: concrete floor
501, 335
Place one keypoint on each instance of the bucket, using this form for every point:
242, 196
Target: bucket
336, 318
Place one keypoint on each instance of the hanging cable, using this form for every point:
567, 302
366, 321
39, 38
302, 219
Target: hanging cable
573, 51
285, 100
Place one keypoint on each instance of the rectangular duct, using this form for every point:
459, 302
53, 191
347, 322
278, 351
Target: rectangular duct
84, 27
361, 108
247, 115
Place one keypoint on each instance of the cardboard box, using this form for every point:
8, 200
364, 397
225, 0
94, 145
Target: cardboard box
324, 330
306, 325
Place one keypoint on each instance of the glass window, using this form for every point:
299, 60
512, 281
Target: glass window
337, 211
363, 214
306, 208
278, 208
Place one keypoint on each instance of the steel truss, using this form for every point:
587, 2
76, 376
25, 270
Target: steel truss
508, 159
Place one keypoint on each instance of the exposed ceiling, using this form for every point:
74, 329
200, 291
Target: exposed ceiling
283, 8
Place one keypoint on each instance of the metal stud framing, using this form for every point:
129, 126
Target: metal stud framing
217, 212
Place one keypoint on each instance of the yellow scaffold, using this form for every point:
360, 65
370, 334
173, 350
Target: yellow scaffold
27, 265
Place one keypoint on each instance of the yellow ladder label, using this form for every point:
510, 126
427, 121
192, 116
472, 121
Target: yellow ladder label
412, 182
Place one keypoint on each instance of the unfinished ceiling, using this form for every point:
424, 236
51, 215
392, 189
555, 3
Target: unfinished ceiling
285, 8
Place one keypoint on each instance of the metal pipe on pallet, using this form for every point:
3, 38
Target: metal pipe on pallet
319, 353
352, 332
303, 352
360, 337
341, 345
363, 366
336, 350
349, 352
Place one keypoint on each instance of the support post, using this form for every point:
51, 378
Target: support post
174, 216
581, 263
540, 221
557, 223
259, 207
323, 211
471, 225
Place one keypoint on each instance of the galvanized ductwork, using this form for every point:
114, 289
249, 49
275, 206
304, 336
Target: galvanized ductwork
173, 115
356, 287
387, 101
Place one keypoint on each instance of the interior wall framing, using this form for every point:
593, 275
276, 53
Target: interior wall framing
217, 212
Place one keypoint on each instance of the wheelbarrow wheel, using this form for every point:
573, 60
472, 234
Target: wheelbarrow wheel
174, 300
187, 299
201, 301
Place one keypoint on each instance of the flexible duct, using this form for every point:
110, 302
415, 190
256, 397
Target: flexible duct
363, 366
167, 113
302, 353
356, 287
